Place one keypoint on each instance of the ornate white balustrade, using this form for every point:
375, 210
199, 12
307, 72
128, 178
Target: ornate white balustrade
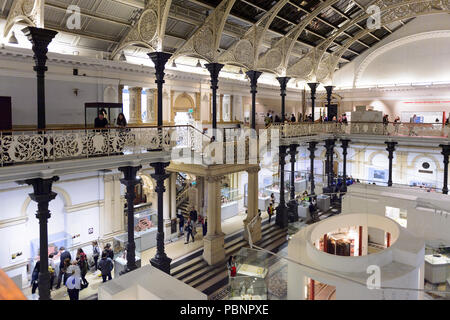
52, 145
55, 145
291, 130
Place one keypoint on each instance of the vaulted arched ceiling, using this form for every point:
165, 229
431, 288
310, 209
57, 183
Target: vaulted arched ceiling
305, 39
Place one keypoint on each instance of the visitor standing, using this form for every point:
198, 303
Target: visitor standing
106, 265
51, 269
181, 222
189, 226
231, 266
83, 264
109, 251
35, 277
121, 121
64, 254
100, 121
204, 226
95, 253
73, 285
270, 211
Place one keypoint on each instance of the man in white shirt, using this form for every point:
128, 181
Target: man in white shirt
73, 285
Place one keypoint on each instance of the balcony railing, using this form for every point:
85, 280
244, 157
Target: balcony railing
19, 147
425, 130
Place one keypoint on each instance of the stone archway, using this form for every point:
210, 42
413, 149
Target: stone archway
184, 103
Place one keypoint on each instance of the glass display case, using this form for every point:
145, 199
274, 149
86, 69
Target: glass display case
437, 263
92, 109
247, 288
145, 229
229, 195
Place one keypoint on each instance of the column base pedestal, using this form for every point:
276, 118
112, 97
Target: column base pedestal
162, 262
44, 286
293, 210
214, 248
167, 230
281, 218
255, 230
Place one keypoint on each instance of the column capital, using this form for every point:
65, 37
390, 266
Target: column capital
129, 174
312, 146
213, 179
283, 84
40, 39
253, 170
159, 59
253, 76
293, 149
390, 147
313, 86
214, 70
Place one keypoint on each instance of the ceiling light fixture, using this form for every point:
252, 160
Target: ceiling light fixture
199, 65
13, 39
174, 65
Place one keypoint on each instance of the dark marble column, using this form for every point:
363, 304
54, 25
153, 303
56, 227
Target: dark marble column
281, 218
293, 204
312, 148
159, 60
253, 76
161, 260
313, 86
214, 69
43, 194
446, 154
40, 39
130, 181
390, 148
283, 85
329, 145
344, 146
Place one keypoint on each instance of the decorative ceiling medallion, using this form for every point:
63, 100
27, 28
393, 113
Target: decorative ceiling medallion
273, 59
28, 6
244, 52
204, 41
303, 68
147, 25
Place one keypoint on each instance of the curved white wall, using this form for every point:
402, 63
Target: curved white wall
424, 59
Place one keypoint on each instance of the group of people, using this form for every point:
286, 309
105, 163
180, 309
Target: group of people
72, 272
102, 122
190, 225
271, 117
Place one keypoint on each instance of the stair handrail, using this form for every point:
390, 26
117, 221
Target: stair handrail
251, 224
181, 196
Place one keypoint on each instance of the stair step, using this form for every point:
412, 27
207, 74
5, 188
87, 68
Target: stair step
191, 271
209, 276
177, 270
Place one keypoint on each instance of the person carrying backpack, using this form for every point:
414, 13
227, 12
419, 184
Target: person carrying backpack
83, 264
106, 265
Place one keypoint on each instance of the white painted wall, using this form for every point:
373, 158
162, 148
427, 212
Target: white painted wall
423, 61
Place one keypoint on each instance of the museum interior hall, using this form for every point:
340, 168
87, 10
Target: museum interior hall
224, 149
